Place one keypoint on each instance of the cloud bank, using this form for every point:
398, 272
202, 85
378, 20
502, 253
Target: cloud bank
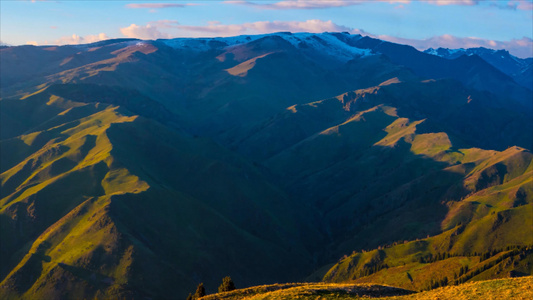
153, 30
321, 4
73, 40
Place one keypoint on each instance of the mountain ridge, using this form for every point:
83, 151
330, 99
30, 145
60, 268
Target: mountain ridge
518, 68
265, 159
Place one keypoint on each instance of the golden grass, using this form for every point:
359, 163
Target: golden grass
509, 288
309, 291
242, 69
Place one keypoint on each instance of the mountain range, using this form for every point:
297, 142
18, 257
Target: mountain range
137, 169
517, 68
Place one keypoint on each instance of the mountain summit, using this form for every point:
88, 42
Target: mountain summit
521, 70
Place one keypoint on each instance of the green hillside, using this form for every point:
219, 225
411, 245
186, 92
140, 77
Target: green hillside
396, 181
311, 291
511, 288
77, 176
87, 191
138, 170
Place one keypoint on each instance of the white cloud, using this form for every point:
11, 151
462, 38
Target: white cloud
147, 32
73, 40
307, 4
158, 5
164, 24
298, 4
266, 27
452, 2
76, 39
153, 30
522, 4
95, 38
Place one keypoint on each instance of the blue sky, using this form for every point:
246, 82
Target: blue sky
422, 23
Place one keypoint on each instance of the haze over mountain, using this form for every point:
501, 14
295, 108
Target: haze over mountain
140, 168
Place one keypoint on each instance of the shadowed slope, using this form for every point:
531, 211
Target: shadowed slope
89, 207
377, 172
108, 191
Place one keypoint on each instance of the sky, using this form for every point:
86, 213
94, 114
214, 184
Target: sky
496, 24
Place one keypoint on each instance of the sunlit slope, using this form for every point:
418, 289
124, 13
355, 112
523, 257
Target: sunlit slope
43, 115
473, 118
101, 197
381, 173
477, 203
191, 78
195, 83
421, 265
511, 288
110, 179
486, 225
311, 291
29, 64
65, 170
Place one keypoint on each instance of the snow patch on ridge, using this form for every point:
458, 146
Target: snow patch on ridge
203, 44
327, 43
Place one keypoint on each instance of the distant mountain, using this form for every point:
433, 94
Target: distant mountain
519, 69
470, 70
138, 169
196, 77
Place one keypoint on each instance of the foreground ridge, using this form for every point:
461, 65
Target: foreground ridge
311, 291
508, 288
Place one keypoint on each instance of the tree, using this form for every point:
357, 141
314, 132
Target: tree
227, 285
200, 291
189, 297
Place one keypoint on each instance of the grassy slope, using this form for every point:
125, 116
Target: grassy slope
511, 288
493, 215
310, 291
76, 203
196, 85
95, 141
487, 219
418, 181
393, 162
81, 150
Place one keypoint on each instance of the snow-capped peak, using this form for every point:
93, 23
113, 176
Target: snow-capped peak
327, 43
